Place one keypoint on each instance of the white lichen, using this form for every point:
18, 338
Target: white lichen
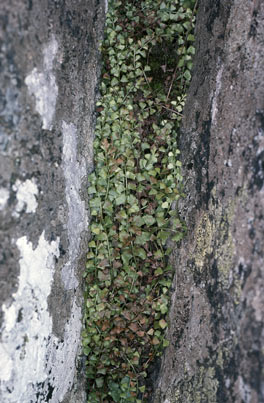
218, 86
74, 171
42, 84
26, 193
27, 324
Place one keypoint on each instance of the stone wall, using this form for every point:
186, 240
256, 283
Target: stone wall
48, 73
217, 313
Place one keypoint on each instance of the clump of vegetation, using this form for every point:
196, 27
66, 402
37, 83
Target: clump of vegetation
147, 59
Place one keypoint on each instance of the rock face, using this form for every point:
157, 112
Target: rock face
217, 312
48, 74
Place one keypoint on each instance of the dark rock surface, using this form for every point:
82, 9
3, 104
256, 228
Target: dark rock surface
48, 77
217, 312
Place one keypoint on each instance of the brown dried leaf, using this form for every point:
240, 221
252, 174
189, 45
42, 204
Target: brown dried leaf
104, 263
134, 327
105, 144
119, 161
127, 315
150, 332
105, 326
117, 264
123, 341
155, 341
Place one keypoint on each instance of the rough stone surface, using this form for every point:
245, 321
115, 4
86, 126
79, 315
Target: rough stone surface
217, 313
48, 83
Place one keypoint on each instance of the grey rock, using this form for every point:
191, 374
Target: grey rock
49, 69
217, 312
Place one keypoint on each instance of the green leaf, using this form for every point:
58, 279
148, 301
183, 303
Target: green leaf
101, 371
140, 252
177, 237
92, 244
190, 38
140, 177
165, 205
132, 199
143, 238
149, 220
163, 324
158, 272
158, 254
145, 146
191, 50
114, 391
86, 350
164, 309
133, 209
114, 81
99, 382
120, 199
126, 256
138, 221
95, 202
91, 190
163, 236
187, 75
95, 230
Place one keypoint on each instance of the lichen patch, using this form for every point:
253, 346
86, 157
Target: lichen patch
42, 84
74, 172
26, 194
27, 322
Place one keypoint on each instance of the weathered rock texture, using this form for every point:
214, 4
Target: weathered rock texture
48, 77
217, 312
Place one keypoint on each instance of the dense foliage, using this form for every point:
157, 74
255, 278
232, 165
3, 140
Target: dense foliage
147, 59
